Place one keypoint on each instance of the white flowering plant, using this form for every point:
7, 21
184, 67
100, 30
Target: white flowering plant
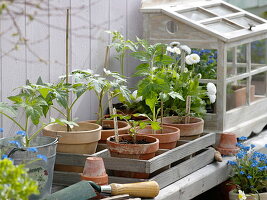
166, 84
249, 169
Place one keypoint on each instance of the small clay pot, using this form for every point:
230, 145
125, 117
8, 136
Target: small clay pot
123, 128
227, 144
94, 170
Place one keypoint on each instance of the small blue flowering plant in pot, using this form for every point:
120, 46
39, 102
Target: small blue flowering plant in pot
249, 173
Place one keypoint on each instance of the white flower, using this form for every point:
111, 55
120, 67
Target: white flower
211, 89
195, 58
186, 49
212, 98
241, 195
176, 50
185, 69
170, 49
188, 60
136, 99
172, 44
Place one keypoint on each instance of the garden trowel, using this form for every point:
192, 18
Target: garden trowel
84, 190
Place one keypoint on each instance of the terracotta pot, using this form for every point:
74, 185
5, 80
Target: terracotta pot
261, 196
94, 170
194, 127
238, 96
122, 125
134, 151
82, 139
227, 144
167, 139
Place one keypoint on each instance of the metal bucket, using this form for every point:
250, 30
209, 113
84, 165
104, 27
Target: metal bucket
39, 170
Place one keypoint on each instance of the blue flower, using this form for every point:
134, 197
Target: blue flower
17, 143
249, 177
43, 157
242, 172
22, 133
210, 61
252, 146
243, 138
265, 145
240, 155
32, 149
211, 56
231, 162
196, 52
254, 164
4, 156
245, 148
1, 130
262, 168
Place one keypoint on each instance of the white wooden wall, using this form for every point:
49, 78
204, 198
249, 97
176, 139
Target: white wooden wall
46, 38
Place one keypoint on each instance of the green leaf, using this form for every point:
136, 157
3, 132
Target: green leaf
44, 91
155, 125
15, 99
7, 109
176, 95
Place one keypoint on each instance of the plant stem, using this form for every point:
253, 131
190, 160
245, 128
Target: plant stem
100, 109
122, 63
13, 121
110, 106
67, 67
62, 113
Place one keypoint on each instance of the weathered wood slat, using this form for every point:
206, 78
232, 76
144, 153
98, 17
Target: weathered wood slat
180, 152
65, 178
187, 167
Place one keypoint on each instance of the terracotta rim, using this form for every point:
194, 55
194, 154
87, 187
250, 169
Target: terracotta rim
126, 127
134, 148
170, 136
93, 134
97, 179
196, 120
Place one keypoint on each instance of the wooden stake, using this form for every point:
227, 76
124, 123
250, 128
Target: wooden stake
67, 67
106, 63
187, 109
116, 126
110, 106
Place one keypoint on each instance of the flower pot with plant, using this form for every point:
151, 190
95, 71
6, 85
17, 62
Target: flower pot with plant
156, 88
132, 145
83, 137
249, 173
112, 85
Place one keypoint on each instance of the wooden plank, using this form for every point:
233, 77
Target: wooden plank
187, 167
115, 179
180, 152
75, 159
66, 178
13, 60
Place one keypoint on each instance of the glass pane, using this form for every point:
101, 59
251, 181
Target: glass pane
258, 82
221, 10
245, 21
223, 26
236, 94
197, 14
207, 66
236, 61
258, 54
